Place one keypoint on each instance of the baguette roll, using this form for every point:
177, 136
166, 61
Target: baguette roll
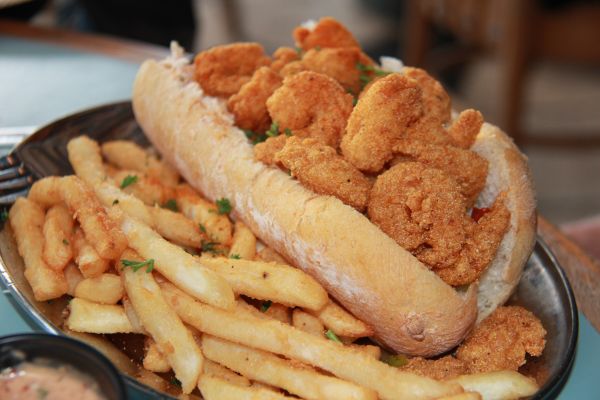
411, 310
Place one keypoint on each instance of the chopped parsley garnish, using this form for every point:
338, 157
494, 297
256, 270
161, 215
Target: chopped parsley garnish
171, 204
255, 137
317, 48
273, 130
223, 206
202, 228
367, 72
136, 265
65, 242
288, 132
175, 381
235, 256
210, 247
332, 336
4, 215
395, 360
265, 305
299, 51
128, 180
42, 393
115, 201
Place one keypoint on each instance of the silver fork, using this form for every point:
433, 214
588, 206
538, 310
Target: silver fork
15, 180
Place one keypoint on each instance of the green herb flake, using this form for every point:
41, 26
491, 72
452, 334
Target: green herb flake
129, 180
317, 48
288, 132
202, 228
65, 242
354, 101
265, 306
273, 130
171, 204
115, 201
210, 247
332, 336
223, 206
235, 257
4, 215
175, 381
367, 71
136, 265
299, 51
42, 393
249, 133
395, 360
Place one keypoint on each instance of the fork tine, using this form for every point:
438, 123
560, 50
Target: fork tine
8, 161
9, 198
11, 173
17, 183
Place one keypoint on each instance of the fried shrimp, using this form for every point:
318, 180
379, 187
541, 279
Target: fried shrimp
340, 64
466, 167
248, 105
465, 128
328, 32
222, 70
502, 340
423, 210
380, 118
283, 56
320, 168
443, 368
265, 151
311, 105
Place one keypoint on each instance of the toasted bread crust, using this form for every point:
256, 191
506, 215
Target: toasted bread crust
411, 310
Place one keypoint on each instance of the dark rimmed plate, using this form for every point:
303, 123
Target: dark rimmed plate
543, 289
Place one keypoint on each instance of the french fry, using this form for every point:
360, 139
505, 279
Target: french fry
58, 234
278, 312
267, 368
110, 195
368, 349
103, 289
73, 276
267, 254
175, 264
128, 155
86, 316
307, 323
147, 189
172, 338
176, 227
154, 360
341, 322
132, 316
279, 338
462, 396
26, 219
499, 385
99, 229
214, 388
203, 213
267, 281
214, 369
243, 244
156, 382
89, 262
86, 160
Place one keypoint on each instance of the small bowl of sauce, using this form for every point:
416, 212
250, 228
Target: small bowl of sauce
49, 367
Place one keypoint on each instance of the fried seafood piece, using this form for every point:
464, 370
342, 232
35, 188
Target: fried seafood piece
465, 127
424, 211
380, 118
283, 56
328, 32
436, 101
502, 341
293, 68
320, 168
248, 106
340, 64
482, 241
265, 151
311, 105
467, 167
223, 70
443, 368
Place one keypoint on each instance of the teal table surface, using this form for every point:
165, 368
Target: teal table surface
40, 82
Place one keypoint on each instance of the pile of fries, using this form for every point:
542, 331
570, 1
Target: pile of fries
141, 253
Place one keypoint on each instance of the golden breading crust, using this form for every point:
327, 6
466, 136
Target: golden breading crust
327, 33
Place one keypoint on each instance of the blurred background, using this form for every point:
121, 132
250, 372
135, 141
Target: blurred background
530, 66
